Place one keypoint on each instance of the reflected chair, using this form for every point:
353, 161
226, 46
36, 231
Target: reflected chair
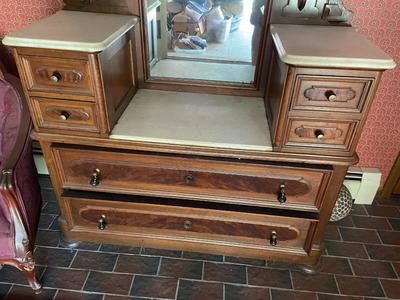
20, 199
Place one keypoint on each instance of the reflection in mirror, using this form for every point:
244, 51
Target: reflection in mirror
216, 40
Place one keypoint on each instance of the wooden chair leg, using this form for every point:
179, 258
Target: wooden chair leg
29, 272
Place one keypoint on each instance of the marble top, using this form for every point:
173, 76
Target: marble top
195, 119
327, 46
72, 30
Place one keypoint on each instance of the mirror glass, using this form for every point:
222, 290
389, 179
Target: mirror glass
216, 40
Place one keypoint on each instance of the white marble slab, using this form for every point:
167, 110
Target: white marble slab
195, 119
328, 46
72, 30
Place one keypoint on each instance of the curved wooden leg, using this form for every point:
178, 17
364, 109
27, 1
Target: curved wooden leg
29, 273
66, 243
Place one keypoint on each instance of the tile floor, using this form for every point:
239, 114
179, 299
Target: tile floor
362, 261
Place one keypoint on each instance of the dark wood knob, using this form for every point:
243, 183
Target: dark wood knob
273, 240
319, 134
102, 224
55, 77
64, 115
188, 179
95, 180
330, 95
187, 224
282, 194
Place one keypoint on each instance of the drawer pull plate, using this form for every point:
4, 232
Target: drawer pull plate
273, 240
102, 224
95, 180
282, 194
304, 131
323, 93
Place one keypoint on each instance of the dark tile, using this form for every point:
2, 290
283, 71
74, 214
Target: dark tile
199, 290
137, 264
11, 274
87, 246
119, 249
24, 292
395, 224
335, 265
394, 201
359, 235
48, 195
358, 210
64, 278
245, 261
55, 225
357, 286
332, 233
180, 268
269, 277
337, 297
382, 211
154, 287
94, 261
281, 265
48, 238
382, 252
345, 249
45, 221
224, 272
69, 295
202, 256
371, 222
373, 268
161, 252
346, 222
292, 295
110, 297
51, 207
109, 283
390, 237
324, 283
236, 292
392, 288
4, 288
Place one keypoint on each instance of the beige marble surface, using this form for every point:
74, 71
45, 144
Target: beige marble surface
72, 30
195, 119
328, 46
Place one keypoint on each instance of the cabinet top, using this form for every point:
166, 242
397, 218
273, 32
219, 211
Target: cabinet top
327, 46
72, 30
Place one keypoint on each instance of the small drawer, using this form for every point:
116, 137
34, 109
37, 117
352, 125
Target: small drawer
187, 225
49, 74
336, 134
65, 114
299, 188
330, 93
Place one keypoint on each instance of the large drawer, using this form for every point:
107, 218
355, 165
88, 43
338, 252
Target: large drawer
192, 178
151, 222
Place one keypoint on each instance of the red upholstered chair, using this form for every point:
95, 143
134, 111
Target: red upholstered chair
20, 199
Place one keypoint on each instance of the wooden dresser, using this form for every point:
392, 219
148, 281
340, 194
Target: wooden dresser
137, 163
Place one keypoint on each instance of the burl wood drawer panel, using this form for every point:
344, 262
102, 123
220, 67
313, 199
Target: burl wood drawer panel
320, 134
190, 178
330, 93
65, 114
188, 224
49, 74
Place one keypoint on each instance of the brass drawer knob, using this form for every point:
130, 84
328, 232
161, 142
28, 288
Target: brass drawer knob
64, 115
273, 240
102, 224
187, 224
56, 77
330, 95
282, 194
319, 134
95, 180
188, 179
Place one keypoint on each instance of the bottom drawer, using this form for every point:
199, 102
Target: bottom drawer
188, 225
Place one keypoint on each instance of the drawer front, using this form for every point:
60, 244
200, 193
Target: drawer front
64, 114
320, 134
186, 178
330, 93
188, 224
58, 75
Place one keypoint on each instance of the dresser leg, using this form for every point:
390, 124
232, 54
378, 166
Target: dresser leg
66, 243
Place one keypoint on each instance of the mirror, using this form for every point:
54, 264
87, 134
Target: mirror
212, 40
